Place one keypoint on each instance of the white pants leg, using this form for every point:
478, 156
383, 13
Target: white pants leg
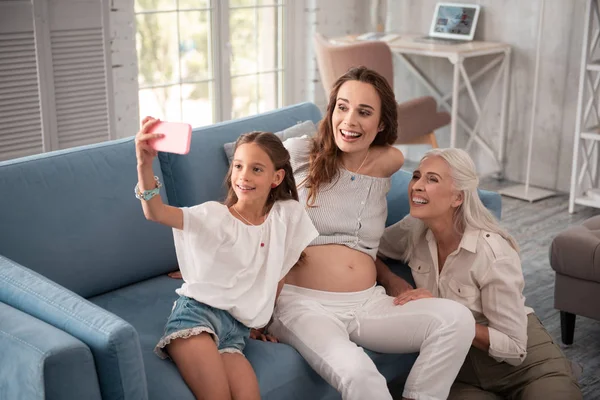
318, 330
323, 325
441, 331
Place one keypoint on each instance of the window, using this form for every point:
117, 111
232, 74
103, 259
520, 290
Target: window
205, 61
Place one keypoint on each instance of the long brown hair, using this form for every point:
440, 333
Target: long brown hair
324, 163
280, 157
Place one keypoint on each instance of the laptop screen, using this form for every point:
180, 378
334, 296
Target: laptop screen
455, 20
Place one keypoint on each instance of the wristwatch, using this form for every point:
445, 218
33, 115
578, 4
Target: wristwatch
147, 194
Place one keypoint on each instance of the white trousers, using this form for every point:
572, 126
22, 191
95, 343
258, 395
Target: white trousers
327, 328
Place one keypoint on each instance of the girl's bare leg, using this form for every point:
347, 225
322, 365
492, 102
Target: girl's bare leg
201, 366
242, 379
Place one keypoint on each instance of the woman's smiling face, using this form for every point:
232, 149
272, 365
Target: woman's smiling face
431, 190
356, 117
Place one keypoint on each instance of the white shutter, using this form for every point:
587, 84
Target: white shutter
80, 78
20, 127
55, 80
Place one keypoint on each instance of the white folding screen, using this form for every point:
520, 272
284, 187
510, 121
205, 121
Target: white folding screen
55, 90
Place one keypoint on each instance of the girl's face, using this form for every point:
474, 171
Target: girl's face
253, 173
356, 116
431, 190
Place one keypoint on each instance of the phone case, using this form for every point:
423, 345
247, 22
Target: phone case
177, 139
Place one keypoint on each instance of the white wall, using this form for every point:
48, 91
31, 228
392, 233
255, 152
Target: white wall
511, 21
332, 18
124, 67
514, 22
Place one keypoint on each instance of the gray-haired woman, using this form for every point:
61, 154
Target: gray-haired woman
457, 250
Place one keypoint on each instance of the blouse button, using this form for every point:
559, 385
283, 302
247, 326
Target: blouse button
419, 268
459, 290
487, 235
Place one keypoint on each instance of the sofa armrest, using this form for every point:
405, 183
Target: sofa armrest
40, 361
113, 342
492, 201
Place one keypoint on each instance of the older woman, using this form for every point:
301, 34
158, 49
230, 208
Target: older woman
457, 250
331, 304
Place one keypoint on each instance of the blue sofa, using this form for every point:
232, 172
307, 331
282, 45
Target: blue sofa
84, 294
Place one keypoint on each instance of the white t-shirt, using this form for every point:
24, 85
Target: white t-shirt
224, 265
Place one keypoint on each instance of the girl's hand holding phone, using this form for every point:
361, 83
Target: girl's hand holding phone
144, 151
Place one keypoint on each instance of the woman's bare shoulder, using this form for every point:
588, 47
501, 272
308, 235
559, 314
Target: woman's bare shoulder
389, 159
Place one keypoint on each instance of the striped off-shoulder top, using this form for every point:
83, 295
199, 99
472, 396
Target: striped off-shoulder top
351, 210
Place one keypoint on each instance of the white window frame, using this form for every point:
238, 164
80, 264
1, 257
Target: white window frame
293, 52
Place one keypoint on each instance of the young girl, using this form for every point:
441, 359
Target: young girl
233, 258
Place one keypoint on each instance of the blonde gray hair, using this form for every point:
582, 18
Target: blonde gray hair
471, 213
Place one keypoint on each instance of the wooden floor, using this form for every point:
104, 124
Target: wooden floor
534, 225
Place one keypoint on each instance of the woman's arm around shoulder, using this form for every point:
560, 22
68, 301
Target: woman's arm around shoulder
390, 160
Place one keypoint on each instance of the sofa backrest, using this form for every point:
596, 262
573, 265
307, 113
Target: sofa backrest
71, 216
198, 176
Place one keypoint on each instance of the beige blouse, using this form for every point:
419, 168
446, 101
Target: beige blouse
484, 274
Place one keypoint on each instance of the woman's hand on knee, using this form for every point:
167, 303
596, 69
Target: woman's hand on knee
411, 295
261, 334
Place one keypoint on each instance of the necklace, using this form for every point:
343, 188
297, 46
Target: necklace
262, 244
353, 177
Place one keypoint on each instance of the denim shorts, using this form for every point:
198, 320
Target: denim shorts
190, 317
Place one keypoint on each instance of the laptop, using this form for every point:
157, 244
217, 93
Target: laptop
452, 23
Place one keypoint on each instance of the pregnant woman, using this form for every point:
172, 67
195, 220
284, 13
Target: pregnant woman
331, 303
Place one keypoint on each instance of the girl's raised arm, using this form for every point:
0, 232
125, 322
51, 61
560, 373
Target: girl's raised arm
148, 186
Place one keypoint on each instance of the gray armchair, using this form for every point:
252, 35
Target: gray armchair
575, 256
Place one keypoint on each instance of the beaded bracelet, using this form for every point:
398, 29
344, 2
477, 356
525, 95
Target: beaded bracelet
147, 194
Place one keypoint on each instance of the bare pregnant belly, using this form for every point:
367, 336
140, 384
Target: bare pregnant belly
334, 268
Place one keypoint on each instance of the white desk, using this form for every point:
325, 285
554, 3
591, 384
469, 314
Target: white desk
405, 47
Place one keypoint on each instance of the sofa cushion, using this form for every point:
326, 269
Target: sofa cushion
300, 129
281, 371
72, 216
198, 176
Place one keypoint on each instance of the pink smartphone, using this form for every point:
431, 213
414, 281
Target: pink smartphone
177, 139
